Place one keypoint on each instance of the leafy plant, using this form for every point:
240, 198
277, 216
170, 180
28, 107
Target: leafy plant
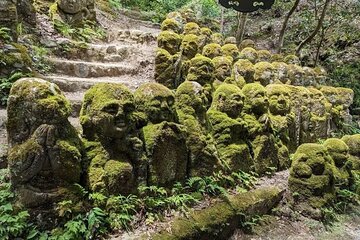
5, 85
5, 34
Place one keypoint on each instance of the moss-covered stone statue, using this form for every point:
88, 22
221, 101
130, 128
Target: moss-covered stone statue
73, 12
164, 138
169, 41
295, 74
282, 119
230, 40
292, 59
172, 25
263, 55
229, 130
353, 142
9, 16
45, 152
192, 28
280, 72
249, 54
217, 38
264, 73
309, 77
202, 71
204, 37
311, 179
231, 50
243, 69
191, 105
319, 126
260, 132
115, 152
223, 67
165, 68
212, 50
246, 43
341, 99
339, 152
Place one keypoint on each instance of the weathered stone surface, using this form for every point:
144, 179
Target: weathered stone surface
45, 155
220, 220
8, 16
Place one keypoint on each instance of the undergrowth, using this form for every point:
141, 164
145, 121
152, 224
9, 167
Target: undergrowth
95, 215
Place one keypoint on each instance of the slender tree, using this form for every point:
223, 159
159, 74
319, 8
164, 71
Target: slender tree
242, 17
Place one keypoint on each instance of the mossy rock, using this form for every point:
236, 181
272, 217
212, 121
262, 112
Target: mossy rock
249, 54
264, 55
292, 59
231, 50
217, 38
246, 43
212, 50
264, 73
170, 24
191, 28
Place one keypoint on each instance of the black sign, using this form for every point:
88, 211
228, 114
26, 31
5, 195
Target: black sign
247, 5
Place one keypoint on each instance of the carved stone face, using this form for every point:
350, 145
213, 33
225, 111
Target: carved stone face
201, 70
192, 28
255, 98
72, 6
169, 41
229, 99
157, 102
191, 94
189, 46
279, 99
338, 151
222, 67
108, 109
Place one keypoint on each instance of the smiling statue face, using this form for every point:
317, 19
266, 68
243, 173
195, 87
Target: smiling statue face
279, 99
201, 70
189, 46
156, 101
338, 151
255, 98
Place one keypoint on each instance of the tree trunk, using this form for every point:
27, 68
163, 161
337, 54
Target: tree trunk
316, 30
222, 21
242, 17
284, 26
319, 46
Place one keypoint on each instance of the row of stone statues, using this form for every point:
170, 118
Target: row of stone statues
320, 171
153, 136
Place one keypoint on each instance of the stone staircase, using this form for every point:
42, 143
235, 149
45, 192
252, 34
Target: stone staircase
126, 57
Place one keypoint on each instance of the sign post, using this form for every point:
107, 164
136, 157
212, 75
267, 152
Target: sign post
247, 6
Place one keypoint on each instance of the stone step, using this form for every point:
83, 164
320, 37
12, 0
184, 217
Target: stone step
133, 36
85, 69
77, 84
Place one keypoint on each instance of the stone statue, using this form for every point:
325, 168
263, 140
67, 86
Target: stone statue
264, 73
169, 41
231, 50
191, 28
172, 25
229, 130
73, 12
212, 50
165, 68
223, 67
164, 138
114, 150
9, 16
280, 72
191, 105
249, 54
45, 152
243, 68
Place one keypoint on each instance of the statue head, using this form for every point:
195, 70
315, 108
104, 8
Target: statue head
231, 50
247, 43
107, 111
230, 40
32, 102
191, 94
201, 70
217, 38
192, 28
72, 6
170, 24
295, 74
338, 151
156, 101
223, 66
169, 41
263, 55
228, 99
244, 68
353, 142
256, 100
264, 73
279, 99
189, 46
212, 50
280, 71
249, 54
292, 59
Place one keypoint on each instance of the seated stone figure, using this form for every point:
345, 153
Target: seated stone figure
212, 50
339, 152
172, 25
192, 28
202, 71
165, 68
217, 38
264, 73
263, 55
223, 67
295, 74
169, 41
231, 50
114, 150
319, 125
164, 138
191, 108
282, 119
73, 12
353, 142
311, 178
204, 37
341, 99
260, 132
45, 152
246, 43
249, 54
243, 69
229, 130
280, 72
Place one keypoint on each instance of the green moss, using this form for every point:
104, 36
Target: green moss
212, 50
264, 73
217, 38
230, 40
231, 50
201, 70
192, 28
244, 68
165, 68
247, 43
170, 24
280, 72
353, 142
295, 74
223, 67
277, 58
292, 59
255, 98
206, 31
249, 54
169, 41
190, 46
263, 55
